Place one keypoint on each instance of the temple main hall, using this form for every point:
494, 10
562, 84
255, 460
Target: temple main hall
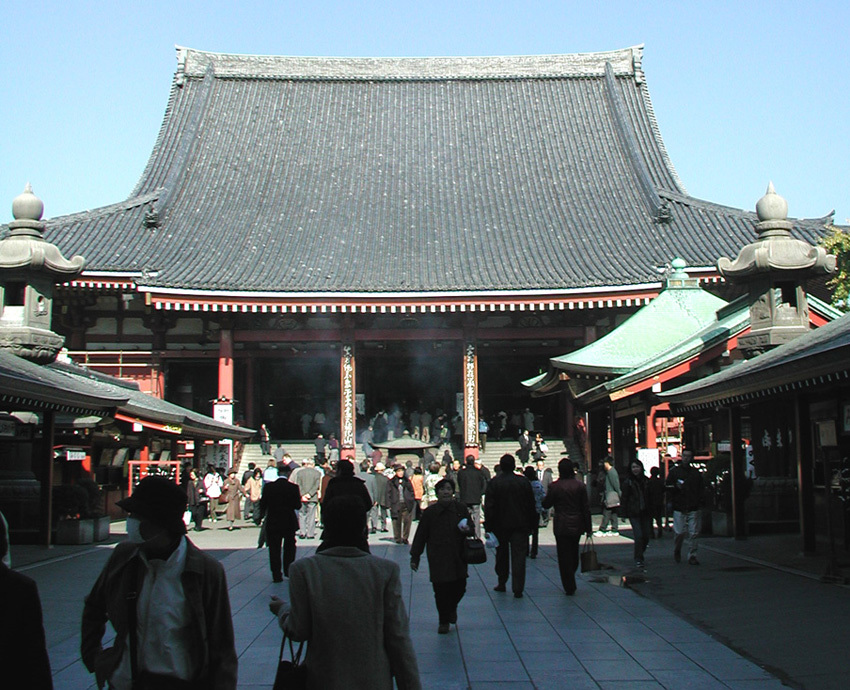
344, 235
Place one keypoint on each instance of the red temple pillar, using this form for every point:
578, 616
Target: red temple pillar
225, 365
249, 392
470, 400
651, 433
348, 408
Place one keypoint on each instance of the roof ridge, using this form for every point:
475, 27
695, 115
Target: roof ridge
656, 131
100, 211
194, 63
693, 201
189, 136
629, 144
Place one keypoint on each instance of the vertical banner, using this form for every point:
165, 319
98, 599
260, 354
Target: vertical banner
348, 403
470, 396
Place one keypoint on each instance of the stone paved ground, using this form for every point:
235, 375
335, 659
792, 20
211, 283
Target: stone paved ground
673, 631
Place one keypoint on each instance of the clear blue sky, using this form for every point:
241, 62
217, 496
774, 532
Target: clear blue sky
744, 92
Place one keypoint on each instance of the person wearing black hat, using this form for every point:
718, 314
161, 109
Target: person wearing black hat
166, 599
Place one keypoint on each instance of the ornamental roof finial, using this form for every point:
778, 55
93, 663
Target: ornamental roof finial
27, 206
771, 206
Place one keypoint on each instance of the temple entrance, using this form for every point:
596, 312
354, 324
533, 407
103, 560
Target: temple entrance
500, 390
409, 375
297, 396
192, 384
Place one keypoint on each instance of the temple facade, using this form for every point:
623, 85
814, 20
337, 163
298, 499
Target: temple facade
326, 238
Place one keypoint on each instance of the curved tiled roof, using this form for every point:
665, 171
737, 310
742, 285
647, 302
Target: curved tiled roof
815, 358
672, 318
375, 175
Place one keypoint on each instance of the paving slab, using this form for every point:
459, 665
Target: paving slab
606, 636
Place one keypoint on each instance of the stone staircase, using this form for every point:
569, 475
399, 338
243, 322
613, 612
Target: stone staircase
557, 449
252, 453
495, 449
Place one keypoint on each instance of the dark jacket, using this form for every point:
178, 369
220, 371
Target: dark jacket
348, 486
545, 478
509, 504
634, 500
381, 483
278, 503
194, 492
524, 448
23, 651
655, 493
439, 533
400, 493
368, 480
572, 507
205, 586
471, 484
685, 486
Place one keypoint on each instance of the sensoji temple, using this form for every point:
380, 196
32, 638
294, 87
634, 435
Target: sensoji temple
341, 235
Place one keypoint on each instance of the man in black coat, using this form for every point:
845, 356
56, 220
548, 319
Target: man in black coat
402, 500
472, 483
524, 447
684, 483
279, 504
510, 514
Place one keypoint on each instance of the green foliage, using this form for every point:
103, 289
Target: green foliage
837, 242
70, 502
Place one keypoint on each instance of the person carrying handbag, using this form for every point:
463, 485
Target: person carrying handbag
442, 530
348, 606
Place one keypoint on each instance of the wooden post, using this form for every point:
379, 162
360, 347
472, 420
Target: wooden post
249, 394
805, 483
348, 407
225, 365
45, 459
651, 436
736, 474
470, 400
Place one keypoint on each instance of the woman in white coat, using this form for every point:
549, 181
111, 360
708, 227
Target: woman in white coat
347, 604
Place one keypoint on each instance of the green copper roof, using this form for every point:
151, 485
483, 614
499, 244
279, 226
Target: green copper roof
725, 324
680, 324
679, 312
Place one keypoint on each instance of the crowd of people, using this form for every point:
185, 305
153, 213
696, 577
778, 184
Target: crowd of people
168, 604
646, 503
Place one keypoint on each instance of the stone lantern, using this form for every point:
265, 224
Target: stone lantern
29, 269
774, 268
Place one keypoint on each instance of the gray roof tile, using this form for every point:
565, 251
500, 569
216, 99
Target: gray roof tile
419, 174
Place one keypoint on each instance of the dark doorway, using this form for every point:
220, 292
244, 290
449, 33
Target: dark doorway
289, 389
500, 376
192, 384
409, 375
